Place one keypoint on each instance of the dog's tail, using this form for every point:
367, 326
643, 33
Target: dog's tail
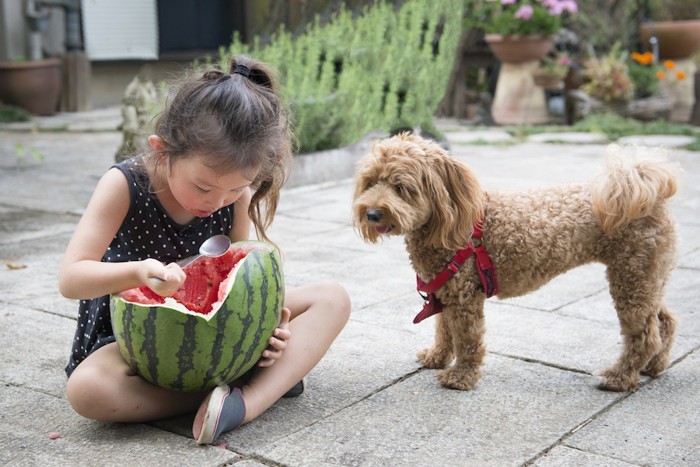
635, 182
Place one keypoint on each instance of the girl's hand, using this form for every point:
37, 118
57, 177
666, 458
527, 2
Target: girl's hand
163, 279
278, 341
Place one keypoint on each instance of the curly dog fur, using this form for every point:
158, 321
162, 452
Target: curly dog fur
410, 186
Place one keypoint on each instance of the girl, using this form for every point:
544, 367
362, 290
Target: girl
220, 154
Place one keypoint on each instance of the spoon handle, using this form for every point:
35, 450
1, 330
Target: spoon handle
187, 261
182, 263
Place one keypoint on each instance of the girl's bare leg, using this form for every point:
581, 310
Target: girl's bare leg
104, 387
319, 312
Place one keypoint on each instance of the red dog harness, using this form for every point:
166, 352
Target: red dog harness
484, 266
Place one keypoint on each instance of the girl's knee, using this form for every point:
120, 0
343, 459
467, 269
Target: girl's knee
338, 299
84, 391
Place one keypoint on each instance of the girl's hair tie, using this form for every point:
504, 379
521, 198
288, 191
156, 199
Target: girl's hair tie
241, 70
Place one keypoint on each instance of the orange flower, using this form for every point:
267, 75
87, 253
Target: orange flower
660, 74
680, 75
669, 64
643, 59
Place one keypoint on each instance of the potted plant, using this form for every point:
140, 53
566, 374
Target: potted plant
675, 26
552, 71
520, 33
629, 85
34, 85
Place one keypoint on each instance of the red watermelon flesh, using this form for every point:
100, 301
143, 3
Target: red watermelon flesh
201, 288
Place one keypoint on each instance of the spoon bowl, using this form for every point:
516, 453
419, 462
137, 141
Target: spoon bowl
212, 247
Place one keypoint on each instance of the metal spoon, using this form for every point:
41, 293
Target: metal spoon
212, 247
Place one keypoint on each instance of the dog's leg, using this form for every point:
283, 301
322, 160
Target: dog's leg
467, 328
638, 303
667, 329
440, 354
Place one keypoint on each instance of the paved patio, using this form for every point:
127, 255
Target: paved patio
368, 402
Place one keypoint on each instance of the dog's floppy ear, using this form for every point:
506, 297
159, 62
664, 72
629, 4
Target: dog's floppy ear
458, 203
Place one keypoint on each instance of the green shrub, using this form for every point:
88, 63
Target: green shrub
383, 69
12, 113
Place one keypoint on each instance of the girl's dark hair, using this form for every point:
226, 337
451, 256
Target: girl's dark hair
238, 122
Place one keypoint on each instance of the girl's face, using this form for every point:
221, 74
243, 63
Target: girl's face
200, 190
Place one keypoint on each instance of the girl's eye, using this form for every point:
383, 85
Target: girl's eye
199, 188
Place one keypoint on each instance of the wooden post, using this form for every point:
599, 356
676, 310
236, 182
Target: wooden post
77, 74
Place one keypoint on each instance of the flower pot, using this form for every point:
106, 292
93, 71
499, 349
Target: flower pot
549, 81
518, 101
676, 39
519, 49
33, 85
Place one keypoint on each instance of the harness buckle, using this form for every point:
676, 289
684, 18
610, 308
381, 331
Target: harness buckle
453, 267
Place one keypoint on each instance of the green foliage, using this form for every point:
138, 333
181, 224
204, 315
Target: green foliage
382, 69
12, 113
614, 126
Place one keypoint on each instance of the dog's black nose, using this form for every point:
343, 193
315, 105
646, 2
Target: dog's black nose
374, 215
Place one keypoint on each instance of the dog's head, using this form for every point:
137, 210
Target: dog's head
410, 186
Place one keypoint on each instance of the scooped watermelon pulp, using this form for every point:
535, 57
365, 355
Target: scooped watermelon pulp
202, 287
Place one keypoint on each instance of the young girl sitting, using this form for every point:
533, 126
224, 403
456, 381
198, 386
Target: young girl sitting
219, 157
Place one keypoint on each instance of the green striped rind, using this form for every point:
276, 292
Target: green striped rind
191, 352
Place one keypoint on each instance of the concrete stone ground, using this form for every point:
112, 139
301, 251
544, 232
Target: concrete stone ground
368, 402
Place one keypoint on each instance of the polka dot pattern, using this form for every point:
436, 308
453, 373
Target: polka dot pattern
147, 232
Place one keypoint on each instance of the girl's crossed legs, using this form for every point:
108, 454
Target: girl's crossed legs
104, 387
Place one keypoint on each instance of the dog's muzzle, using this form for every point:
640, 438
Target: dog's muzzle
374, 215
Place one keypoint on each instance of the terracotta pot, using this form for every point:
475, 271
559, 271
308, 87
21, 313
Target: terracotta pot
33, 85
676, 39
519, 49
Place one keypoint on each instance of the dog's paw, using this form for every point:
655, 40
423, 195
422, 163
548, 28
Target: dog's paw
657, 366
613, 380
460, 378
433, 358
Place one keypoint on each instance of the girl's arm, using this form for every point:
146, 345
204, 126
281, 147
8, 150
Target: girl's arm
83, 275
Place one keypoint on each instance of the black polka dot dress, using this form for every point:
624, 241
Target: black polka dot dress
147, 232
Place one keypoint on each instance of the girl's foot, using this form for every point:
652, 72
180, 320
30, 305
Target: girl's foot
297, 390
222, 410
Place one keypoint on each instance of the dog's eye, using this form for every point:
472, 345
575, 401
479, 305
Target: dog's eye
401, 190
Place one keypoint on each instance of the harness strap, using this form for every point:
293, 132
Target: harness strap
484, 267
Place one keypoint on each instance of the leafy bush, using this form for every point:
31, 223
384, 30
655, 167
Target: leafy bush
383, 69
12, 113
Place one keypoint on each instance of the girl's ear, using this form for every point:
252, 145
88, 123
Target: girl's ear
156, 143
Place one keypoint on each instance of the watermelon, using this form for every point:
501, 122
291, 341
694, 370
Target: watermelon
213, 329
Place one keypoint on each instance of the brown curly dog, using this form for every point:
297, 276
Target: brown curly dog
410, 186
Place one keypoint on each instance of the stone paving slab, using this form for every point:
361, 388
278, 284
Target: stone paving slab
30, 415
507, 420
562, 456
668, 141
369, 402
652, 426
568, 138
36, 347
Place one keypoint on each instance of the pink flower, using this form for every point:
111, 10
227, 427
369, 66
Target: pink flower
507, 2
569, 5
524, 12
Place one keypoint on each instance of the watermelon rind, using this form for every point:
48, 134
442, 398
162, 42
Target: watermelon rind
181, 350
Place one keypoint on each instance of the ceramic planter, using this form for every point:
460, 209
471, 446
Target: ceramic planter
33, 85
676, 39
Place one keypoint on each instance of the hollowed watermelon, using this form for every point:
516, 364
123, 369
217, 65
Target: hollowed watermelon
213, 329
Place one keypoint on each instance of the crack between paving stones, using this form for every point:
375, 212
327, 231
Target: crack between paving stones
616, 401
